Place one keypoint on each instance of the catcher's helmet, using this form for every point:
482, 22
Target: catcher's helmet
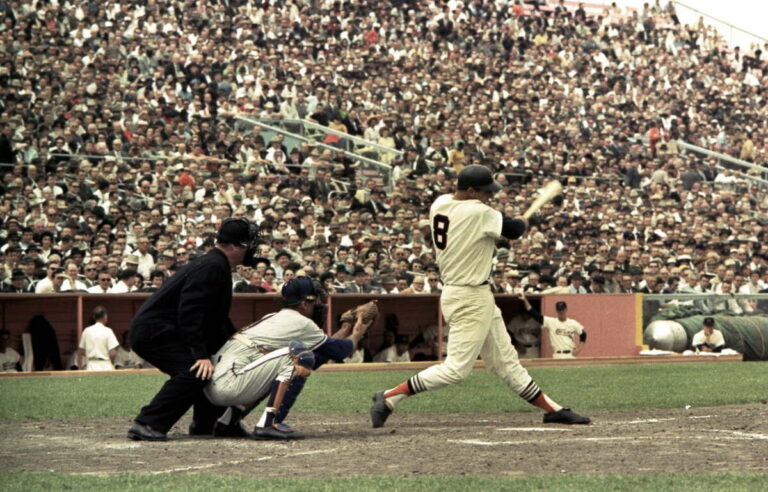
301, 354
477, 177
298, 289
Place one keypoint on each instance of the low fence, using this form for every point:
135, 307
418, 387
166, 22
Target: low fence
612, 320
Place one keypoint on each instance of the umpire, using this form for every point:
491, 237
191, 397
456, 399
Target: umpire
182, 325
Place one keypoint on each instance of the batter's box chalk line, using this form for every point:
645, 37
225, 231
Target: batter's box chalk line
532, 429
737, 436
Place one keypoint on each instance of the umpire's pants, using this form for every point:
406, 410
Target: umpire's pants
180, 392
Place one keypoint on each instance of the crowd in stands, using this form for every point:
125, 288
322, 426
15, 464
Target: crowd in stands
121, 153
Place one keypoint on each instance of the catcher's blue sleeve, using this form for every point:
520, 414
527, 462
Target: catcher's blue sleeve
336, 349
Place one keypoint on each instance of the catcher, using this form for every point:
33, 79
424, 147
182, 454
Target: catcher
261, 341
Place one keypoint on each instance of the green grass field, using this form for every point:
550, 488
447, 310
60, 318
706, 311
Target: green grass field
587, 389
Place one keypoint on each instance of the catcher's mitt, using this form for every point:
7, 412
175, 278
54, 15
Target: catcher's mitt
367, 312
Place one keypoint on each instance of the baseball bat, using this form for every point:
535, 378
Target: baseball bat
546, 194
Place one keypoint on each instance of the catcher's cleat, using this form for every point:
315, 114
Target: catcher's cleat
275, 434
233, 430
565, 416
379, 411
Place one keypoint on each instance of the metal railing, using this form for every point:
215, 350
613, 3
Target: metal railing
743, 166
369, 168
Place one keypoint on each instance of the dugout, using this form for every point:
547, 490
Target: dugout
613, 321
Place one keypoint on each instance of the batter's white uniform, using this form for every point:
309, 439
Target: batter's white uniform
8, 360
97, 340
561, 335
246, 365
464, 233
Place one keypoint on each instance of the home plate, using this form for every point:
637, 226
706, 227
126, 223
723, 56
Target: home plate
533, 429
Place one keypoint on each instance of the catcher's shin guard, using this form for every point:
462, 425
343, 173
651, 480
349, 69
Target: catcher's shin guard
294, 389
268, 417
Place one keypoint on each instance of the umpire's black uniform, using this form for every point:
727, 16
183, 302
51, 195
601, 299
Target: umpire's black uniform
185, 320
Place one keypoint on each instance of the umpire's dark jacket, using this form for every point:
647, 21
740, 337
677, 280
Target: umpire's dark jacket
191, 308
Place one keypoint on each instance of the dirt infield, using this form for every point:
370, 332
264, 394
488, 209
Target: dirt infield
725, 438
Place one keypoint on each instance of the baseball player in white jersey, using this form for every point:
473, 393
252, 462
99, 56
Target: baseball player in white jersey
249, 363
98, 344
566, 336
464, 231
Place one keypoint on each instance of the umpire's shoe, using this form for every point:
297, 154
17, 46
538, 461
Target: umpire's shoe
141, 432
565, 416
379, 411
235, 430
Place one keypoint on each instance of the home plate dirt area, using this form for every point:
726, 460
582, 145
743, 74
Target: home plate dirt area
725, 438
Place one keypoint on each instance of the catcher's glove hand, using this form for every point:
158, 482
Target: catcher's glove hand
367, 312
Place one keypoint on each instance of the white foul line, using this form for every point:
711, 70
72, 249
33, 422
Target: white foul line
206, 466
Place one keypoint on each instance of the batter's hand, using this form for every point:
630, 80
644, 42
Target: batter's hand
204, 369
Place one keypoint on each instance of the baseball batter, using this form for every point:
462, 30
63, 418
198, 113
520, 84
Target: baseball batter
566, 336
464, 231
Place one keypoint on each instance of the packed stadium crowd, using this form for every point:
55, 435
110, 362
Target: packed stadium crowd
121, 150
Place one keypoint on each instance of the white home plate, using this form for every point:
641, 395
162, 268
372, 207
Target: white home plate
533, 429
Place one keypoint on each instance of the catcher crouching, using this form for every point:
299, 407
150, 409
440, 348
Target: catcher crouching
273, 358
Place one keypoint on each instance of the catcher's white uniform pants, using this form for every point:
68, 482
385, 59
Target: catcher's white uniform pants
242, 375
476, 328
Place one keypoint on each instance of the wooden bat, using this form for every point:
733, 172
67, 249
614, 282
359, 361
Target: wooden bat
546, 194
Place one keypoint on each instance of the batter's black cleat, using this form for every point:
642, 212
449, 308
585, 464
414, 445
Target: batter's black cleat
235, 430
565, 416
141, 432
275, 434
380, 411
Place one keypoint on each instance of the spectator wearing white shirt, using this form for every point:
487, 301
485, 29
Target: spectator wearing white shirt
126, 282
98, 344
103, 283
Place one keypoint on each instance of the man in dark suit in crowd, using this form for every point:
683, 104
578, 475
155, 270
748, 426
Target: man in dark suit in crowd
182, 325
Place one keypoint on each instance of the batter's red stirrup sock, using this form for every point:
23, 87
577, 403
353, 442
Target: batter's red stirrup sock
533, 395
400, 392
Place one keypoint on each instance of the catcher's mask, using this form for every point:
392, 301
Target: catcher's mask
242, 233
301, 355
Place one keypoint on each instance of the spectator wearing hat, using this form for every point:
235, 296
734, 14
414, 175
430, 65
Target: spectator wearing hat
17, 284
513, 279
360, 282
577, 284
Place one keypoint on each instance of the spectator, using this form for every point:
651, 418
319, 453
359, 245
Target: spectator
126, 282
